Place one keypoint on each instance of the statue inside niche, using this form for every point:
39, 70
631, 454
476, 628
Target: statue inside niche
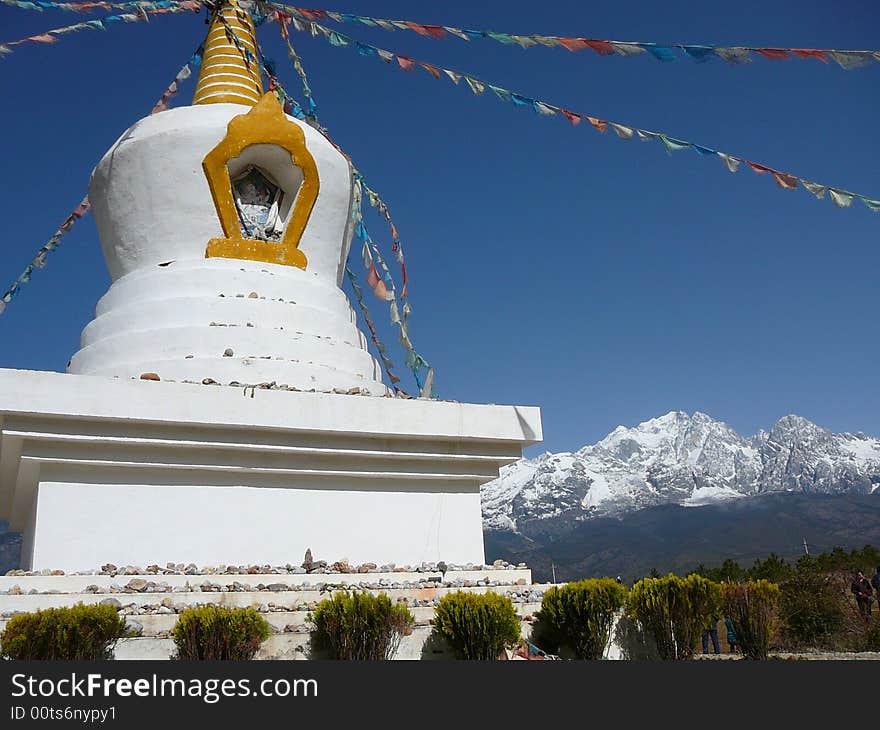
258, 203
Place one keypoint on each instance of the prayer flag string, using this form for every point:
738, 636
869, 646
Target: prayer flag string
383, 287
89, 6
39, 261
375, 199
53, 35
399, 307
787, 181
374, 335
846, 59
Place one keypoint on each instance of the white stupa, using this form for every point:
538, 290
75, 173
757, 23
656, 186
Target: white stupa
226, 226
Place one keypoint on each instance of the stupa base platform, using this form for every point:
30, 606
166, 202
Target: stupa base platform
96, 469
151, 602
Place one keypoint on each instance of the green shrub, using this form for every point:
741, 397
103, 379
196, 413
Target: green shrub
360, 626
752, 608
209, 633
674, 611
580, 615
811, 611
76, 632
477, 625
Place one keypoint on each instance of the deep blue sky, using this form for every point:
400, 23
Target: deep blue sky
601, 280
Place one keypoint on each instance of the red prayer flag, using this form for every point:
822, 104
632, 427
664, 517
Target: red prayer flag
760, 169
313, 14
575, 119
810, 53
433, 70
44, 38
430, 31
406, 63
603, 48
774, 53
784, 180
372, 276
573, 44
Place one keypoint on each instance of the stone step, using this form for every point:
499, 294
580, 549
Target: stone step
292, 581
289, 600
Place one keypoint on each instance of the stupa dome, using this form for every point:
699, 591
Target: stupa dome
225, 228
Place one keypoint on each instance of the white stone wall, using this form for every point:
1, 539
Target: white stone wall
95, 469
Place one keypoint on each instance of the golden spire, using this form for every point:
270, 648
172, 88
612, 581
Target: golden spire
228, 74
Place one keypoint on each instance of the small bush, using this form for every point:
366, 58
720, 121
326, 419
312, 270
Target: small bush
580, 615
811, 610
674, 611
477, 625
752, 608
76, 632
360, 626
210, 633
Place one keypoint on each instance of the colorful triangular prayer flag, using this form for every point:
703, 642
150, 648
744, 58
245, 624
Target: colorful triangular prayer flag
502, 94
661, 53
735, 55
814, 188
673, 145
784, 180
621, 131
849, 60
627, 49
777, 54
478, 87
810, 53
572, 44
699, 54
603, 48
841, 198
731, 161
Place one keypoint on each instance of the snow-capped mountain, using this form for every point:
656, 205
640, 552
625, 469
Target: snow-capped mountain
679, 459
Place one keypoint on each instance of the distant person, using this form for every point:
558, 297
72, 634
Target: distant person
732, 640
861, 589
711, 632
875, 583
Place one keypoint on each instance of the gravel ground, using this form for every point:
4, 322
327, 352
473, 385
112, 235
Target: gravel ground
808, 656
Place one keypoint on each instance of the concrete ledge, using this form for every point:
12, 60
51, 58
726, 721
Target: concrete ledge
84, 396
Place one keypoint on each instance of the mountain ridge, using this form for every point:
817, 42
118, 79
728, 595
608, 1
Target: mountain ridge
680, 459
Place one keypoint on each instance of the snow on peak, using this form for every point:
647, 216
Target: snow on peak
682, 459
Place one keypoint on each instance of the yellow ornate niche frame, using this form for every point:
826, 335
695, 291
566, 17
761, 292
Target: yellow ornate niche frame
264, 124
